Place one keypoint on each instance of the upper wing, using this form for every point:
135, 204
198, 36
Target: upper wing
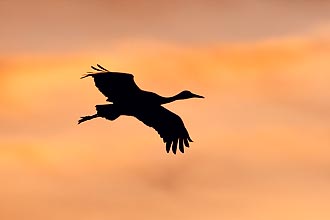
114, 85
169, 126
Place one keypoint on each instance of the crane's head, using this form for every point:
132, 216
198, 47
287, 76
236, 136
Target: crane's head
187, 95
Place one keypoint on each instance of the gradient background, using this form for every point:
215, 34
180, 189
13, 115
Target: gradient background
262, 135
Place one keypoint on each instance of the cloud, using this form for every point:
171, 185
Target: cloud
261, 135
55, 26
289, 71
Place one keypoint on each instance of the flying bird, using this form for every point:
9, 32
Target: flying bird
128, 99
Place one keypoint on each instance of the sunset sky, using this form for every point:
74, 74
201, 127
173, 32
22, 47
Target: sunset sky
261, 136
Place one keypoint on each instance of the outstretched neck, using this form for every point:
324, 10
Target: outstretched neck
171, 99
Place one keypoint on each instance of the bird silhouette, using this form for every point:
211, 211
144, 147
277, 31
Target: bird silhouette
128, 99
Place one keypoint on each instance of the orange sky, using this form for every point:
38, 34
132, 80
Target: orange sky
261, 137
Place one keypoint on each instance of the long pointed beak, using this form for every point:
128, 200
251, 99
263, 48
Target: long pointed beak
198, 96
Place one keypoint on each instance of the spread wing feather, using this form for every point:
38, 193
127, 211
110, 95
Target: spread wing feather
114, 85
169, 126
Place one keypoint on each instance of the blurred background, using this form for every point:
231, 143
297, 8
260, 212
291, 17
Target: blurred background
261, 136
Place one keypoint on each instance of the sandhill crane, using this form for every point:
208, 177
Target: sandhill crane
128, 99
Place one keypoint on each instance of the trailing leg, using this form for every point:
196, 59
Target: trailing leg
86, 118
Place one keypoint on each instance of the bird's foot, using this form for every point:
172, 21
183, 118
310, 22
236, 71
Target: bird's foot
86, 118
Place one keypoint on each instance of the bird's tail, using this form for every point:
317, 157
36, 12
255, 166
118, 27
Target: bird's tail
86, 118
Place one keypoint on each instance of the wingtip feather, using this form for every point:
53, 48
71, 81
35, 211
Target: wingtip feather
85, 75
94, 68
181, 147
186, 142
175, 146
101, 67
168, 146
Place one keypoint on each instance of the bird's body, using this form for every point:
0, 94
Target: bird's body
128, 99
